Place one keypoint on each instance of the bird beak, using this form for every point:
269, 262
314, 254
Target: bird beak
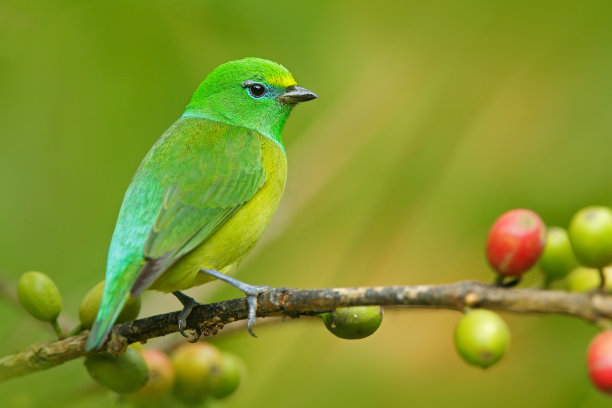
295, 94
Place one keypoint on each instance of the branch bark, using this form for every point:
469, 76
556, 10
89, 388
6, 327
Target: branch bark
594, 307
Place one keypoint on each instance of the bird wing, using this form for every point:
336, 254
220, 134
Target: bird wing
226, 173
195, 177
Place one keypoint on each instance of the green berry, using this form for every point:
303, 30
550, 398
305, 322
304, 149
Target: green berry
558, 259
123, 374
232, 371
90, 303
583, 279
198, 370
39, 296
590, 233
482, 337
353, 322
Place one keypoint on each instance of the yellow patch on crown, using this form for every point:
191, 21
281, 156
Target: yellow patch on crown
283, 81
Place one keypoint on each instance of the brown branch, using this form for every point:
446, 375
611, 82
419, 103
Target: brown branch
593, 307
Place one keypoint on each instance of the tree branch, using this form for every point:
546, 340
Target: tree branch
592, 306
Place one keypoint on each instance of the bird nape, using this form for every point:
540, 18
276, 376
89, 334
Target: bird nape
205, 192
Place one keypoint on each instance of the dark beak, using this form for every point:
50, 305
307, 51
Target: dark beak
295, 94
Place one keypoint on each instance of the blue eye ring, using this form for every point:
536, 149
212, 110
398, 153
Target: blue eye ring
256, 90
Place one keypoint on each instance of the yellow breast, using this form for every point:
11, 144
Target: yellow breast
228, 246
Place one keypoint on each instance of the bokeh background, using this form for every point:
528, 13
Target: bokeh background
433, 118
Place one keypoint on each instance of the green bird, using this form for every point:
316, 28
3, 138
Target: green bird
205, 192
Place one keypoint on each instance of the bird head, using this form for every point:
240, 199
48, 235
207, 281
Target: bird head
252, 92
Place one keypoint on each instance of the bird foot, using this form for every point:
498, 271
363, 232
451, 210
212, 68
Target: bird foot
251, 291
188, 304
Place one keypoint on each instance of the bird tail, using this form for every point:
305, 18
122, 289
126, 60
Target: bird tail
116, 293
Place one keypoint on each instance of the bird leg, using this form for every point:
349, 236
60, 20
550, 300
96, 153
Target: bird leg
188, 304
251, 291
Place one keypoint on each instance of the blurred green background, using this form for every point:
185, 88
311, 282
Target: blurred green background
433, 118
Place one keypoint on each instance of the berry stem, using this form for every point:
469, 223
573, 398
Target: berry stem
602, 278
76, 330
58, 329
502, 282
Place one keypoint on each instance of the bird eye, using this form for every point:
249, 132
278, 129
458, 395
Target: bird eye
256, 90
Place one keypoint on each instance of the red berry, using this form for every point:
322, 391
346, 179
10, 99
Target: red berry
515, 242
599, 361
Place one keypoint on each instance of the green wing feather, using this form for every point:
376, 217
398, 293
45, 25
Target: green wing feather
191, 182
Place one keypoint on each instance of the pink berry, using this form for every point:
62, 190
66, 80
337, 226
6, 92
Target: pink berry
599, 361
516, 242
161, 378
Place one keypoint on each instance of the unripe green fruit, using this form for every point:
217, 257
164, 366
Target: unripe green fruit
558, 259
583, 279
482, 337
39, 296
91, 302
198, 370
353, 322
161, 378
123, 374
232, 371
590, 233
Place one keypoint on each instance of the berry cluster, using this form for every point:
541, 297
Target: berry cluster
580, 256
189, 374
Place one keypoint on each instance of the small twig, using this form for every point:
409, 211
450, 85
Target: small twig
594, 307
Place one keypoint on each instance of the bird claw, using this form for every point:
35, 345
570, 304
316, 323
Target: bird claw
252, 302
251, 291
196, 336
188, 304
